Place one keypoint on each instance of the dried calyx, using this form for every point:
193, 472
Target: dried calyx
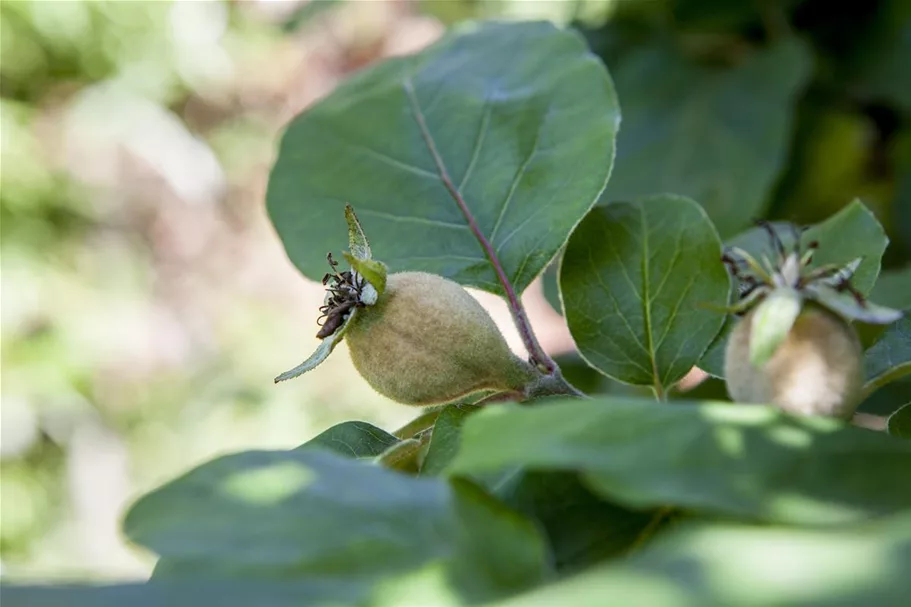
345, 291
795, 347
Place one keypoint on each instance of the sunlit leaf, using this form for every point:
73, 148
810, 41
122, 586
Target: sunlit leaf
500, 131
310, 514
747, 461
709, 563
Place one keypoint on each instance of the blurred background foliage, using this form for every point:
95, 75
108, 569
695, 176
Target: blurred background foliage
146, 301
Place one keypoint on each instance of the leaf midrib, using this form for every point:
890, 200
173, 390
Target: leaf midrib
646, 301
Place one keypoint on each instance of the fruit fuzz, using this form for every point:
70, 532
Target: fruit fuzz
427, 341
816, 370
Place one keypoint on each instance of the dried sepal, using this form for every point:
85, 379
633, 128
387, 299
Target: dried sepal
849, 307
321, 353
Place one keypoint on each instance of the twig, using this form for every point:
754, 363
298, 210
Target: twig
539, 358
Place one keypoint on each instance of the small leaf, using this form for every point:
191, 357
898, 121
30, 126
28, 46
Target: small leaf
772, 322
635, 279
893, 289
322, 352
890, 357
444, 442
357, 240
846, 305
746, 461
899, 423
422, 422
404, 456
353, 439
851, 233
374, 271
453, 155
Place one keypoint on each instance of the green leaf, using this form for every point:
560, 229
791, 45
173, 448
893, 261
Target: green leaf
899, 423
581, 527
712, 362
357, 241
881, 63
184, 593
635, 279
747, 461
771, 324
353, 439
312, 515
890, 357
893, 289
500, 131
717, 135
706, 563
848, 307
404, 456
444, 442
851, 233
322, 352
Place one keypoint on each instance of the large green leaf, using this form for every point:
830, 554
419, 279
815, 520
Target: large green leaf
635, 279
749, 461
313, 515
890, 357
851, 233
717, 135
354, 439
739, 565
500, 131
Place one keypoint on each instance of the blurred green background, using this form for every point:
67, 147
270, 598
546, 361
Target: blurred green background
146, 301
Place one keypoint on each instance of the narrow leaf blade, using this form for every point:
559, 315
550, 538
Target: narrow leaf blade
322, 352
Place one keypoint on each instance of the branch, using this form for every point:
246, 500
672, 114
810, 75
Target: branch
539, 358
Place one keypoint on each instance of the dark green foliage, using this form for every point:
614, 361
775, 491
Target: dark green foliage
480, 159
